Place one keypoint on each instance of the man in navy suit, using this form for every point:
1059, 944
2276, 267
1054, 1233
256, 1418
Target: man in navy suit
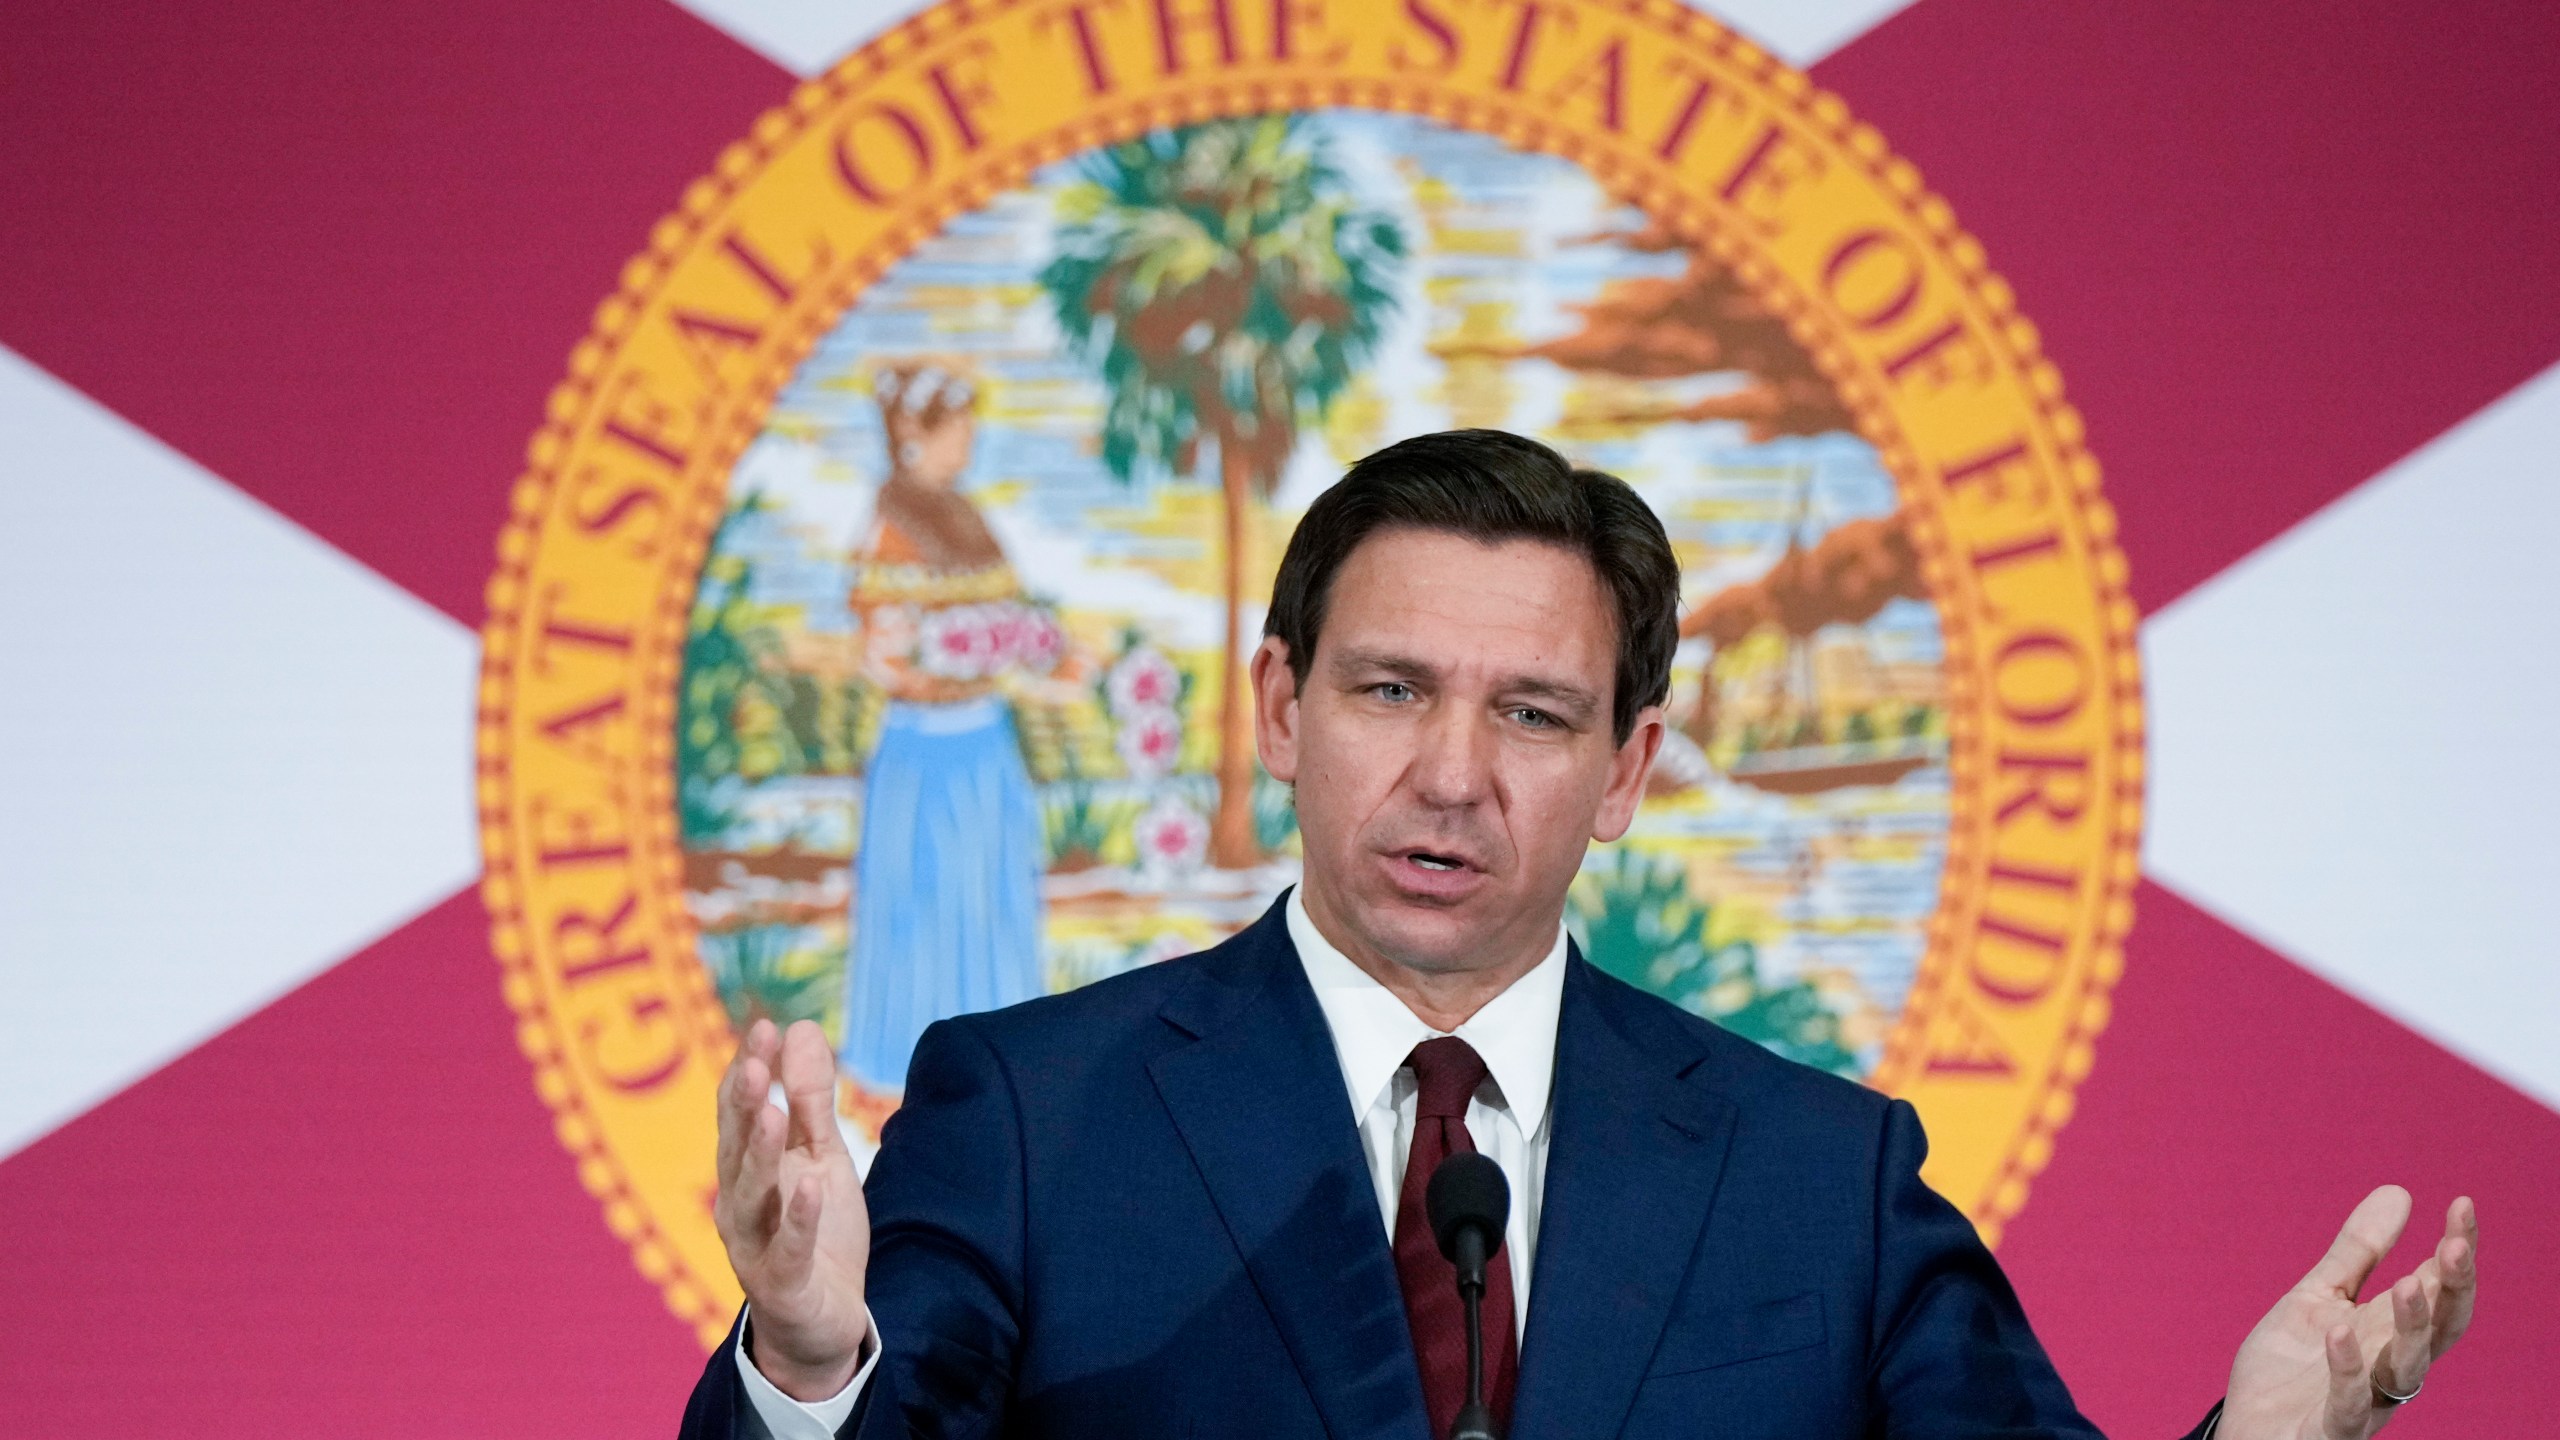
1186, 1202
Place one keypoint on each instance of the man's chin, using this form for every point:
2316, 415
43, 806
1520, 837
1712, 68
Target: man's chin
1434, 939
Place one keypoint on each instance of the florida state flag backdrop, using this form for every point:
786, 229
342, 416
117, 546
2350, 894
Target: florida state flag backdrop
538, 532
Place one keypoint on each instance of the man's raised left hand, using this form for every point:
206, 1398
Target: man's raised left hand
2321, 1366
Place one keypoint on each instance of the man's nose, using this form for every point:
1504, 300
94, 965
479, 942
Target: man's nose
1455, 764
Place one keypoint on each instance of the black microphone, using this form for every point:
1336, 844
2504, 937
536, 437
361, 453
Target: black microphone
1469, 1202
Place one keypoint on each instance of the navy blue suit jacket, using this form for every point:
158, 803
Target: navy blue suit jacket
1140, 1210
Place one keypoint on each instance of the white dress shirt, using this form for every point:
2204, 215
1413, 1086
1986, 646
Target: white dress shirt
1373, 1032
1515, 1033
790, 1419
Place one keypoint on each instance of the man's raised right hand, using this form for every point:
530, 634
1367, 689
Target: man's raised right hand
791, 1214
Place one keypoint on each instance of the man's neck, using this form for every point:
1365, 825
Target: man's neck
1443, 999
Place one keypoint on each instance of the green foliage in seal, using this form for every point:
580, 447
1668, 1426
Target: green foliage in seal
760, 975
1228, 285
723, 654
1635, 919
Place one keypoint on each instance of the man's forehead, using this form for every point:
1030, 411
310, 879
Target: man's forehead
1407, 556
1413, 595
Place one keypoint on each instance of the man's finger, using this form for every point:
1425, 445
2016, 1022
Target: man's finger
2350, 1403
2403, 1361
809, 1080
742, 1092
751, 1198
2457, 1260
795, 1239
751, 1049
2370, 1232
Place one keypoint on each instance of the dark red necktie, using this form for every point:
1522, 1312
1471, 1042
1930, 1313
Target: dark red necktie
1447, 1072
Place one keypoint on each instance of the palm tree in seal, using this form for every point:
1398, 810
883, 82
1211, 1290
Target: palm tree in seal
1228, 285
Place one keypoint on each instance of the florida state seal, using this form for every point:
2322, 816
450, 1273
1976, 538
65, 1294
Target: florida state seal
861, 641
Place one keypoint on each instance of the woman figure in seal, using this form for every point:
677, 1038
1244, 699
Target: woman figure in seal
946, 899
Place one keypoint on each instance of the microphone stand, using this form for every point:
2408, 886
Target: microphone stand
1470, 1202
1474, 1421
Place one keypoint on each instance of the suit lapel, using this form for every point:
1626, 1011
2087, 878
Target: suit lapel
1258, 1099
1632, 1169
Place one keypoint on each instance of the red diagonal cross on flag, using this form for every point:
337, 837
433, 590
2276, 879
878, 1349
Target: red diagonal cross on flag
287, 284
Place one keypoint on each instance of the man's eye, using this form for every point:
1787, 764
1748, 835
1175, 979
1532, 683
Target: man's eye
1394, 691
1534, 719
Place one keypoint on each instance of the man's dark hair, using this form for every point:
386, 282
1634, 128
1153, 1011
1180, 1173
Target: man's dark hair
1492, 486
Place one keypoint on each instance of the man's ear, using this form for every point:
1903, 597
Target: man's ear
1627, 771
1275, 710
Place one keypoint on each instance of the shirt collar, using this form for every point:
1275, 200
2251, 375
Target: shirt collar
1373, 1032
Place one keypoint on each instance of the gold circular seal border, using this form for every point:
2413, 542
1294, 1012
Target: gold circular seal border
583, 872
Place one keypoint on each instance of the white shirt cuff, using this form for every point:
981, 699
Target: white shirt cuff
790, 1419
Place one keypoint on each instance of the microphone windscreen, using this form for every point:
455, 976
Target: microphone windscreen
1467, 1189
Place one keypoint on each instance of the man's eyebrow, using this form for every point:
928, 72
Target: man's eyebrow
1377, 662
1581, 704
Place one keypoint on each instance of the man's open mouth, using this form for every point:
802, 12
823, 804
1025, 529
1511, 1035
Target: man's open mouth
1429, 861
